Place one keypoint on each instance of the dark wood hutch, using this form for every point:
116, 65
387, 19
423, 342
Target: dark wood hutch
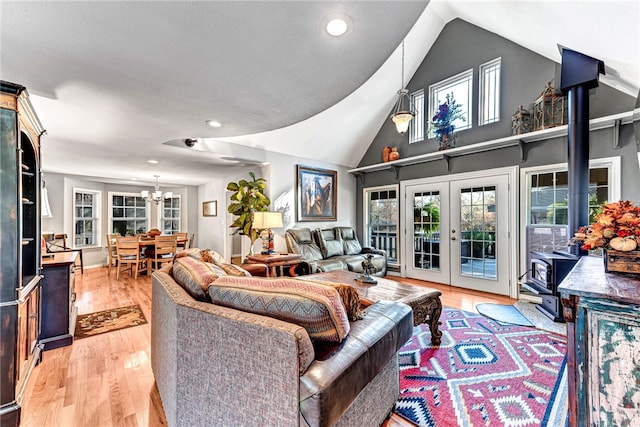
20, 247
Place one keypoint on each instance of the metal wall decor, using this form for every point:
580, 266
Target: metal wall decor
521, 121
549, 109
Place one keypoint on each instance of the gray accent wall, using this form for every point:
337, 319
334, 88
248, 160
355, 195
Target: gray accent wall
524, 75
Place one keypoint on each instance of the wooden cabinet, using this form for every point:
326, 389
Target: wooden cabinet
602, 311
58, 300
20, 132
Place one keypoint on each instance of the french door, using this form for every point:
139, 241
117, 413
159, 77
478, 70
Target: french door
457, 231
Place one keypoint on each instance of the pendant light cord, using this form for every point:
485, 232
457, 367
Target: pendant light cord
402, 76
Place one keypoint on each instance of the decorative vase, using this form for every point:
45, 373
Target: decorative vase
447, 141
621, 261
394, 155
385, 153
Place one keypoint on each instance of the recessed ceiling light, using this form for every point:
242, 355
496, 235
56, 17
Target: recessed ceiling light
337, 24
213, 123
153, 162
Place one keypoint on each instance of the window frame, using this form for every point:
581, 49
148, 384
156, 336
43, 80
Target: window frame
96, 218
482, 80
443, 86
366, 216
160, 214
417, 125
613, 164
112, 194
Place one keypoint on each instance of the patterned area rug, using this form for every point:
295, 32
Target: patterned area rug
92, 324
484, 373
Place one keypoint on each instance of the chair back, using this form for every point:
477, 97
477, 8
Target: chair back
166, 246
128, 248
112, 253
183, 237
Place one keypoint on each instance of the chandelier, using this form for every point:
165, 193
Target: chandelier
403, 112
156, 196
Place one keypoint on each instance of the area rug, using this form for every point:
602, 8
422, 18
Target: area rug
539, 320
92, 324
484, 373
503, 313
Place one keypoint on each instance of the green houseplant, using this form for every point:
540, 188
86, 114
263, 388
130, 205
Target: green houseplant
247, 197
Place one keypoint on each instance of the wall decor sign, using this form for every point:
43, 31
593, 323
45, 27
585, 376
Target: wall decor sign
316, 193
210, 208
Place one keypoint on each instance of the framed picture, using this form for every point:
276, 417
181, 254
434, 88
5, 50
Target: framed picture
210, 208
316, 191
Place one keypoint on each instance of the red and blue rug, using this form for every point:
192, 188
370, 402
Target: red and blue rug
485, 373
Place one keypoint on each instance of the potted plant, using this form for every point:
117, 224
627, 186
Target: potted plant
247, 197
448, 112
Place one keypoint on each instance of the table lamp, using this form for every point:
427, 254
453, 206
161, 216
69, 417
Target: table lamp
265, 221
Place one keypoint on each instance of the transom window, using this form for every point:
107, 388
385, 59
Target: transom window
461, 86
489, 99
85, 217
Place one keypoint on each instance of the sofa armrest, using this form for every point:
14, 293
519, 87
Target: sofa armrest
206, 359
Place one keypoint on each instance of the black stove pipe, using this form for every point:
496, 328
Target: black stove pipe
579, 73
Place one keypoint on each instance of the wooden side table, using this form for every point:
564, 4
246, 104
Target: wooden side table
277, 260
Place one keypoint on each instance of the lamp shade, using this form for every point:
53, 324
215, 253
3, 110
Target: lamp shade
263, 220
402, 119
44, 202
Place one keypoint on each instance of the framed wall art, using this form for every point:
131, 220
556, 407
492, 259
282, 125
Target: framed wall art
210, 208
316, 194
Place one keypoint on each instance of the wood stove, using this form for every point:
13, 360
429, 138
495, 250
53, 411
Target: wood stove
545, 274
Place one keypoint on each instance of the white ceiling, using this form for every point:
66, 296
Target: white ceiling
113, 81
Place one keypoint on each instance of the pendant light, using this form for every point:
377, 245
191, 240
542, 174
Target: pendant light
403, 111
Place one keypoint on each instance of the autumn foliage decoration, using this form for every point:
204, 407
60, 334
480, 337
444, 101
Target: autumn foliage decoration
616, 226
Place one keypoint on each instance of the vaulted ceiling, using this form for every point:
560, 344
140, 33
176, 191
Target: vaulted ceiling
119, 83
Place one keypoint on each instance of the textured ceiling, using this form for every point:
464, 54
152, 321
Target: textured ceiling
113, 81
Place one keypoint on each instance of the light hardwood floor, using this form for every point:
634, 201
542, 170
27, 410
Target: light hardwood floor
106, 380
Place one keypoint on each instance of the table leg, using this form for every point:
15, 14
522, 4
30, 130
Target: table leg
428, 309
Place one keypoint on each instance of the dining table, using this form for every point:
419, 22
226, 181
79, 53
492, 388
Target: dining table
147, 244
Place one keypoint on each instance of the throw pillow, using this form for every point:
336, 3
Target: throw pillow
315, 307
194, 276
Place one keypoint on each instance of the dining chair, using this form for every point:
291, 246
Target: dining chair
58, 243
128, 249
190, 245
112, 252
165, 250
184, 240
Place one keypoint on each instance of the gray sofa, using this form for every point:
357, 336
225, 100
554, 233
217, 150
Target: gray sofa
336, 248
215, 365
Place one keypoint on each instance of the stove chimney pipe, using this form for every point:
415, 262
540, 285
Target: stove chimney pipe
579, 73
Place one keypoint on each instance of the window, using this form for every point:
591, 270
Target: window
170, 215
489, 111
416, 126
85, 217
128, 214
461, 86
382, 220
547, 198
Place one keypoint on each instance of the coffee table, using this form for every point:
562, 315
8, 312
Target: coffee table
425, 302
276, 260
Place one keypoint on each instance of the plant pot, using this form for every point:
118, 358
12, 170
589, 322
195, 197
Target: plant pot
447, 141
622, 262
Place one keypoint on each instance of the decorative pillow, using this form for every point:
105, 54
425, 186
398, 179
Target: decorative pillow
349, 297
192, 252
329, 245
315, 307
194, 276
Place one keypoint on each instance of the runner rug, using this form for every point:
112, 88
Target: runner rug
89, 325
485, 373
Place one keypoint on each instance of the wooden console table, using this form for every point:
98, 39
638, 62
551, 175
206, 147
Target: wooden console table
602, 311
277, 260
58, 300
425, 302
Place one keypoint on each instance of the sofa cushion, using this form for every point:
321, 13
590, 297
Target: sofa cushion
194, 276
301, 241
329, 245
350, 240
315, 307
